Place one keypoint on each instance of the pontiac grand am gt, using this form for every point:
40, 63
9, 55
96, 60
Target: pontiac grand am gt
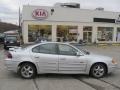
54, 57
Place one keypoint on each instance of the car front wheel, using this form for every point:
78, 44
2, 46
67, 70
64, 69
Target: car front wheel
98, 70
5, 47
27, 71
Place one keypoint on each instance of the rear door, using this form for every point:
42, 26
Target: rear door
47, 57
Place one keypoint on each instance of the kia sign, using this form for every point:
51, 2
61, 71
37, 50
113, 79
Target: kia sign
40, 14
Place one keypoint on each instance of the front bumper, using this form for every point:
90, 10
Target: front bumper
11, 65
112, 68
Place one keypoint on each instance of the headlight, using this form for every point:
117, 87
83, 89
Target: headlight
114, 61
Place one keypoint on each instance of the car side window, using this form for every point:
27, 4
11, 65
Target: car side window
36, 49
49, 48
66, 50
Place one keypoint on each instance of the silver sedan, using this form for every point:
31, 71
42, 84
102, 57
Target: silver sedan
54, 57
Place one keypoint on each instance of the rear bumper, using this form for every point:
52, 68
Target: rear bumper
11, 65
12, 45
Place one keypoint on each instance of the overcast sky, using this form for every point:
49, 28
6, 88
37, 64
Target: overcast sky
9, 8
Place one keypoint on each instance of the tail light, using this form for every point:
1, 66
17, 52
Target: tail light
9, 55
18, 41
5, 41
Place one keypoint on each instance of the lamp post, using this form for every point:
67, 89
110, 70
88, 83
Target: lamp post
19, 27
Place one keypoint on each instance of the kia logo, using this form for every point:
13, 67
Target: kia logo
40, 14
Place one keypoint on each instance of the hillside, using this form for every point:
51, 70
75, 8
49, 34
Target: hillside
7, 26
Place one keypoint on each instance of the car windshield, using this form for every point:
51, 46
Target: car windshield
82, 50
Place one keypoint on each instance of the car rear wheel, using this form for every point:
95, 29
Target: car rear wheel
27, 71
98, 70
5, 47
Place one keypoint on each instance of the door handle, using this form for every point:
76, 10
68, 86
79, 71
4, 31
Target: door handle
62, 59
36, 57
77, 62
81, 62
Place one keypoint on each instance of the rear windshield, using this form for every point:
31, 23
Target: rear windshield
1, 35
27, 46
9, 38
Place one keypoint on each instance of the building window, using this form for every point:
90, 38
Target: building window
118, 34
39, 32
105, 34
87, 34
67, 33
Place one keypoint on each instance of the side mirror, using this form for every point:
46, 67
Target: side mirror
88, 53
78, 54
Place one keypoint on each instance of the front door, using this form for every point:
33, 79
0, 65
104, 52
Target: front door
87, 36
69, 62
47, 57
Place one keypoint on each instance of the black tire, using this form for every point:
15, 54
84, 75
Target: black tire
98, 70
5, 47
31, 71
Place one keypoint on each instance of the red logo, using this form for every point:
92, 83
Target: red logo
40, 14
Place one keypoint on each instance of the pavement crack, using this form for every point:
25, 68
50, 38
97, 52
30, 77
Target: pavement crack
35, 83
97, 87
110, 84
91, 85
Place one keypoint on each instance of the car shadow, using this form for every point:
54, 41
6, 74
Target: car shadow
62, 76
71, 76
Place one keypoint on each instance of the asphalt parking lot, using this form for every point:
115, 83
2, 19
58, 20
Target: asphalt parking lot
11, 81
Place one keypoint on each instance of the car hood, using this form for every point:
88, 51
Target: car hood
99, 57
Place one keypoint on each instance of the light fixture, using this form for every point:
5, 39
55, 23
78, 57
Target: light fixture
119, 15
52, 10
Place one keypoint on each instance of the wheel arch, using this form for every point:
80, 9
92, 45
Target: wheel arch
28, 63
99, 63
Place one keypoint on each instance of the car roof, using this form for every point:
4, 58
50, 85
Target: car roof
52, 42
11, 35
33, 45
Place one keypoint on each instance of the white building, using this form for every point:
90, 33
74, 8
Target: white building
70, 24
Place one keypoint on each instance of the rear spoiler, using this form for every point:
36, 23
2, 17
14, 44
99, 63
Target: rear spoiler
14, 48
